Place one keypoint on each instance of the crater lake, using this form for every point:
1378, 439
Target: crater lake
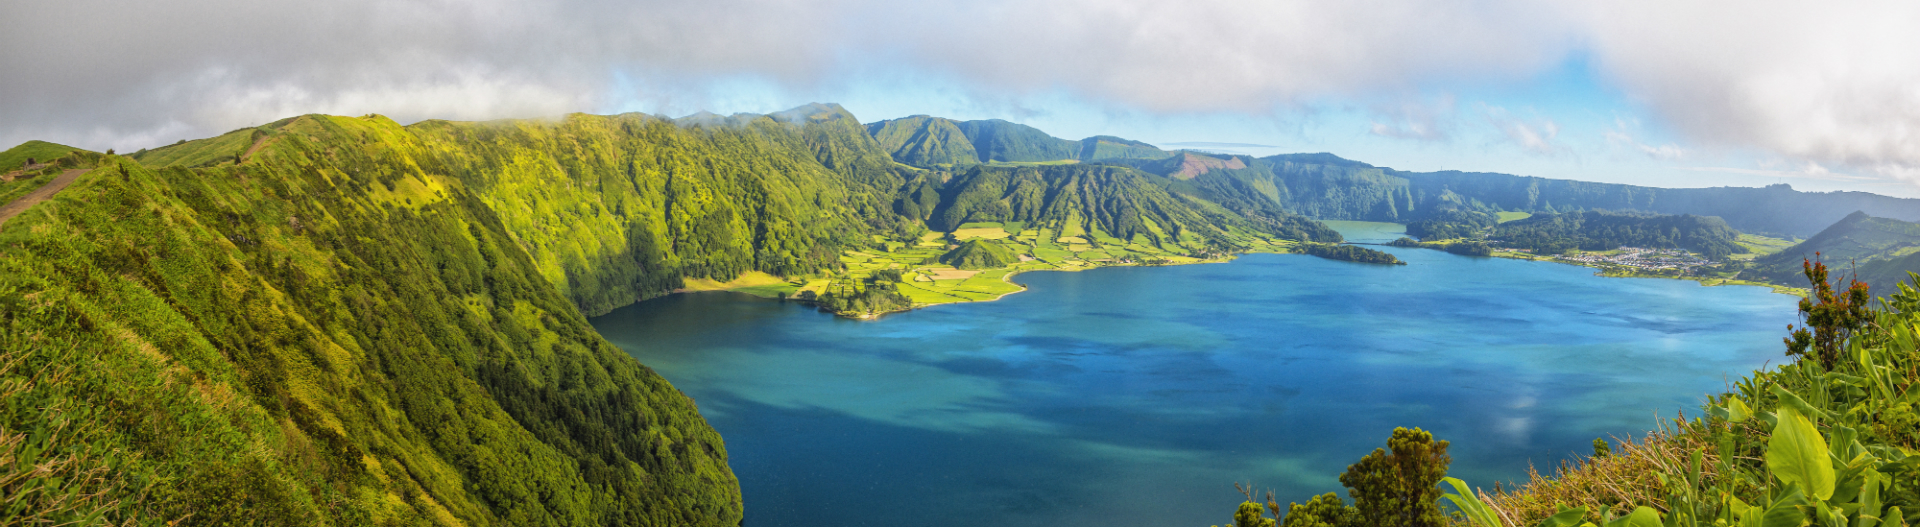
1140, 395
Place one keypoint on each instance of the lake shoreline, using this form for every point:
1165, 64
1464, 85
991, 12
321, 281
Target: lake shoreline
758, 284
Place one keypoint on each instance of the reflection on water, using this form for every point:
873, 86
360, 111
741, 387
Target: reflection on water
1137, 396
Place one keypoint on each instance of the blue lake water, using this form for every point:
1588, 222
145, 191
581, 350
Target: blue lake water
1139, 395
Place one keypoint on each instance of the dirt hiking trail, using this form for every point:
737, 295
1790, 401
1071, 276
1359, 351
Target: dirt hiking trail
38, 195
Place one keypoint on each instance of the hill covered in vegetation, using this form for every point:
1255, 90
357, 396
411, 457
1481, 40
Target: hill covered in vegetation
334, 332
1878, 251
1604, 231
346, 321
978, 254
1329, 187
924, 141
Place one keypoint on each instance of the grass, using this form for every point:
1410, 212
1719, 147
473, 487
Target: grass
933, 284
1760, 246
1632, 474
40, 151
991, 233
1513, 216
25, 183
213, 150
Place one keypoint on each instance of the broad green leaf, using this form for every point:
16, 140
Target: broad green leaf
1738, 411
1797, 455
1785, 511
1566, 518
1477, 511
1640, 517
1792, 400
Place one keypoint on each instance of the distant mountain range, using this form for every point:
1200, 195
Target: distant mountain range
1325, 186
924, 141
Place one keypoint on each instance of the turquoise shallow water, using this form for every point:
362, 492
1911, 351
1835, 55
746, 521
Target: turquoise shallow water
1137, 396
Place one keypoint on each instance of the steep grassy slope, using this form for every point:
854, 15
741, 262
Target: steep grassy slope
50, 160
346, 321
1312, 186
615, 209
1880, 250
997, 140
1104, 201
1107, 147
335, 332
1606, 231
924, 141
40, 151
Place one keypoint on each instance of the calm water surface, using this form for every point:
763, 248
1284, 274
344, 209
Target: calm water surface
1137, 396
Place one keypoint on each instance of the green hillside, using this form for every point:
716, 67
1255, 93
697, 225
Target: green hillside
1103, 201
1606, 231
16, 181
1318, 186
979, 254
1107, 147
1329, 187
333, 333
997, 140
345, 321
40, 151
1880, 251
924, 141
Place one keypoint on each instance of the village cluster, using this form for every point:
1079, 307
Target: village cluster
1642, 258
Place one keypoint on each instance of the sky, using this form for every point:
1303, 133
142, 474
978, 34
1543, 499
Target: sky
1819, 95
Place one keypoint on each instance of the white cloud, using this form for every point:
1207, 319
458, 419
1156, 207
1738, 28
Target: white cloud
1414, 119
1802, 169
1837, 83
1534, 136
1621, 136
145, 69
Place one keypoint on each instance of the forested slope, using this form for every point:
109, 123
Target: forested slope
1877, 251
1604, 231
334, 332
925, 141
346, 321
1115, 202
1328, 187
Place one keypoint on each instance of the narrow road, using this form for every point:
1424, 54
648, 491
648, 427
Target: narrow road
38, 195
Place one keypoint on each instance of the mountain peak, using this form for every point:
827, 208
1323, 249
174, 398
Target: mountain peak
812, 112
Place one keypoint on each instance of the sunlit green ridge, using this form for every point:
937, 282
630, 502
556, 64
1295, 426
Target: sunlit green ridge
346, 321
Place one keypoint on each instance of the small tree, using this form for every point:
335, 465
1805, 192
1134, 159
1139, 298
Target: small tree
1399, 486
1325, 510
1829, 317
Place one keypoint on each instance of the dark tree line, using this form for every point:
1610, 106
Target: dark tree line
1351, 253
1605, 231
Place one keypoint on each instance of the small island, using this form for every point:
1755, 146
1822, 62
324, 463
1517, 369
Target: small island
1350, 253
